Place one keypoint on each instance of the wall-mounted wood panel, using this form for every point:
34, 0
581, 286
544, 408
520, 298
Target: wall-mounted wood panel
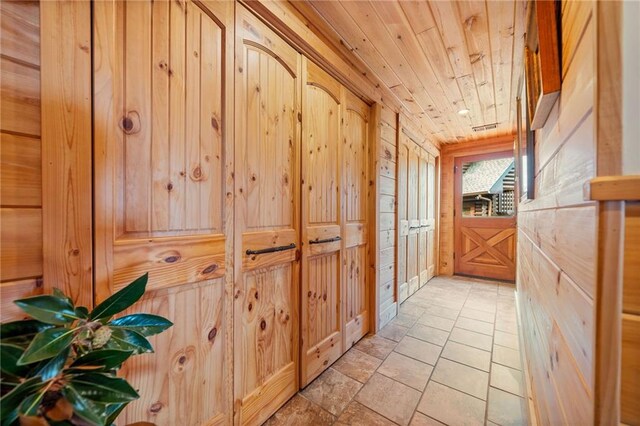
163, 164
21, 261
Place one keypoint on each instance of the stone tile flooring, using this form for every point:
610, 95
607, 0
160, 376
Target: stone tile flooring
451, 356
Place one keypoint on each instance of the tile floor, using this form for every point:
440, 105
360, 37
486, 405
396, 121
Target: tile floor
451, 356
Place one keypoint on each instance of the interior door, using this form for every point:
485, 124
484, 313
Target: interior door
485, 221
413, 198
322, 233
423, 158
403, 218
267, 216
355, 194
432, 200
163, 165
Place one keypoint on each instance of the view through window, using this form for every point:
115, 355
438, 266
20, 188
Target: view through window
488, 188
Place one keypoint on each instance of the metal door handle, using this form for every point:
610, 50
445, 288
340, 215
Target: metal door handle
271, 249
327, 240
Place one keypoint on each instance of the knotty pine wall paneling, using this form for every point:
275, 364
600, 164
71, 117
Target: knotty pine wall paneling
557, 239
21, 261
163, 174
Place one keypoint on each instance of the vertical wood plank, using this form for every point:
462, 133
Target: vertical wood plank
66, 148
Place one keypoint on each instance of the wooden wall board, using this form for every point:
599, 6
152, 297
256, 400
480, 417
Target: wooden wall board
21, 261
67, 149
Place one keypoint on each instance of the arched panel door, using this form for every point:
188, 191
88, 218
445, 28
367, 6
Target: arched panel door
355, 194
322, 233
267, 220
163, 199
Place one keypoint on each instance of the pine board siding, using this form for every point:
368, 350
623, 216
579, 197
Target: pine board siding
386, 193
557, 236
21, 261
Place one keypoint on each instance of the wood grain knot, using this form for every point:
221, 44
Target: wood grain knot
214, 124
263, 325
326, 361
250, 307
39, 282
169, 186
196, 173
182, 359
324, 297
130, 123
172, 259
212, 334
253, 178
309, 294
209, 269
156, 407
256, 295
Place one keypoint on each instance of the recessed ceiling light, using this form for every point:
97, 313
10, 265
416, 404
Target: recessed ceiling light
463, 111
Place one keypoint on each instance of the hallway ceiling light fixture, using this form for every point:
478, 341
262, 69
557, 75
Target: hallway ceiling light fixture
463, 111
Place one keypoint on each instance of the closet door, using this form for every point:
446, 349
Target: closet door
267, 187
413, 197
432, 197
355, 194
163, 195
322, 237
403, 218
422, 213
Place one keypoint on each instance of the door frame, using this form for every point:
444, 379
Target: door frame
457, 204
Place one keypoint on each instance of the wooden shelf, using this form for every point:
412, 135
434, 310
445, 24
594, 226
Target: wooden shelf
613, 188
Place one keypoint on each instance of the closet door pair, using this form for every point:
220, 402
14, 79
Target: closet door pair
300, 220
334, 221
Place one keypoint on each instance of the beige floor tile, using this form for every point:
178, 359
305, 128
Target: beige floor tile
475, 325
404, 320
508, 326
473, 357
411, 309
471, 338
418, 349
376, 346
428, 334
393, 332
506, 409
450, 302
357, 365
506, 339
507, 356
436, 322
332, 391
420, 419
450, 406
461, 377
489, 307
389, 398
406, 370
477, 315
443, 312
300, 411
357, 414
507, 379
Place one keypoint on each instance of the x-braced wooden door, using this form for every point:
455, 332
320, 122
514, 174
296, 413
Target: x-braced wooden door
355, 192
268, 73
322, 234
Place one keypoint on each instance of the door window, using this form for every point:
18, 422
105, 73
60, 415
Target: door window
488, 188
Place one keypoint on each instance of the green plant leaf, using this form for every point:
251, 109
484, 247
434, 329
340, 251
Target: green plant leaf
103, 358
128, 340
31, 404
82, 312
121, 300
103, 388
49, 309
145, 324
48, 369
10, 402
83, 407
9, 356
47, 344
59, 293
22, 328
113, 411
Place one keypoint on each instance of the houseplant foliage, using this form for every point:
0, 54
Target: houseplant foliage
59, 367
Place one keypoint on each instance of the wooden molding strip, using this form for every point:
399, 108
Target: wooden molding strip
613, 188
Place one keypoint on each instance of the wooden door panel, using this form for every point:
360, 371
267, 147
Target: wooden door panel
355, 216
403, 220
267, 174
322, 234
413, 199
424, 223
432, 199
484, 246
163, 194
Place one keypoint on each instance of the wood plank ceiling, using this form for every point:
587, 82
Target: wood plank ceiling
437, 57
